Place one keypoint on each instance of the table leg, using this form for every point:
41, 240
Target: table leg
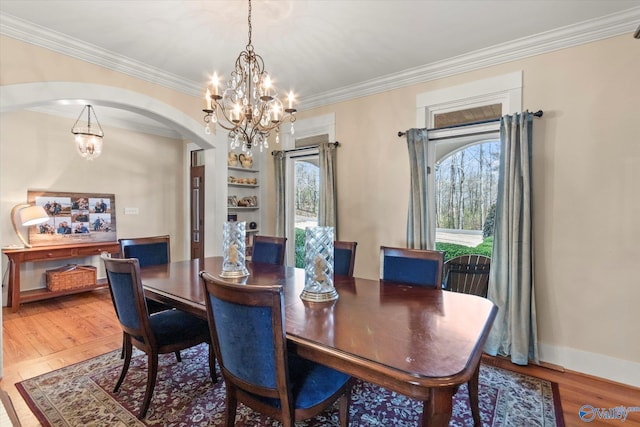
473, 396
13, 291
437, 410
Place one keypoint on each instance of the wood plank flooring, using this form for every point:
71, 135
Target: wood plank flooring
47, 335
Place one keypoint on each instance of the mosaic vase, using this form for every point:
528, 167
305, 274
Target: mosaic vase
233, 249
318, 265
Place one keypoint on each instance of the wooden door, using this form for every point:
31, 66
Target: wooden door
197, 211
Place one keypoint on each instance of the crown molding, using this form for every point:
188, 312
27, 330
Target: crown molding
58, 42
588, 31
585, 32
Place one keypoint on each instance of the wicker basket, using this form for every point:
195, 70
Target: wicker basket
71, 277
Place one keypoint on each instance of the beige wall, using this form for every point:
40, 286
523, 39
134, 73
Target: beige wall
143, 171
586, 197
586, 172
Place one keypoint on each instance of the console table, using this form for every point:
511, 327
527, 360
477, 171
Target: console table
48, 253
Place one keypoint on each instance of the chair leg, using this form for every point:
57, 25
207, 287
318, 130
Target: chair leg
212, 365
178, 357
124, 339
343, 408
231, 404
127, 350
152, 361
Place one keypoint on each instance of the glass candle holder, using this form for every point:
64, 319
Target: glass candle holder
233, 249
318, 265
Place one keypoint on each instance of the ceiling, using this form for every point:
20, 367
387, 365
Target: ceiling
324, 50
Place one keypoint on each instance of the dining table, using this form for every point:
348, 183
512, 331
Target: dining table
417, 341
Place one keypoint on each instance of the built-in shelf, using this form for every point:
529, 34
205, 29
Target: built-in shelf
243, 190
235, 184
235, 168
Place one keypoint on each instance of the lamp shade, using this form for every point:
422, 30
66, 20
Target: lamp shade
33, 215
26, 216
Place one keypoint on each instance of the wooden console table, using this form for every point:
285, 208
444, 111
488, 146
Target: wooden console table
47, 253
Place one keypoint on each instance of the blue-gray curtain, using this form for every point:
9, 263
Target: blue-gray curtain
328, 212
420, 221
279, 166
511, 288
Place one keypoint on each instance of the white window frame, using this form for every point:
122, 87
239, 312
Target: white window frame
504, 89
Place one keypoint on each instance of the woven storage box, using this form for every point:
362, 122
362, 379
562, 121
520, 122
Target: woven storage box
71, 277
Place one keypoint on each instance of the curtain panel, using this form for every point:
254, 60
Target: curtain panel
327, 212
279, 158
420, 220
511, 284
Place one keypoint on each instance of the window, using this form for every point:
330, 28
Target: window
466, 189
303, 180
305, 200
463, 187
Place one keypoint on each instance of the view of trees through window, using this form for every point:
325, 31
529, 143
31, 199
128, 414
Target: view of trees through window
467, 183
466, 191
306, 201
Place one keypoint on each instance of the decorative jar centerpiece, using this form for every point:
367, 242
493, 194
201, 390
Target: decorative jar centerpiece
233, 250
318, 265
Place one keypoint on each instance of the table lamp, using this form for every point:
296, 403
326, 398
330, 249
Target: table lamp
27, 215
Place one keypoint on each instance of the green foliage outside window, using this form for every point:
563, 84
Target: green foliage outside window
452, 250
300, 248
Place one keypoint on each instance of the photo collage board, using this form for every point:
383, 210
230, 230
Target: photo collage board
73, 218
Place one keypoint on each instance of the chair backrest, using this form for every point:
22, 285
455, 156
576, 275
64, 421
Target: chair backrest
249, 338
411, 266
127, 294
344, 258
148, 250
468, 274
269, 250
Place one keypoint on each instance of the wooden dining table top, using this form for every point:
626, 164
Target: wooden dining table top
406, 338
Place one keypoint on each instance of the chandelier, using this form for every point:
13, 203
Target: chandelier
88, 140
249, 107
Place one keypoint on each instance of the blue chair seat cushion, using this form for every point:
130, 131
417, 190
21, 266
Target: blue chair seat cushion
174, 326
311, 383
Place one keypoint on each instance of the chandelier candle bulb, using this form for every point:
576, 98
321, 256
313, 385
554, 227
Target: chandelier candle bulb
208, 99
214, 83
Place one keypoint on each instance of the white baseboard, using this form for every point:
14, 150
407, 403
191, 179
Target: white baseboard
598, 365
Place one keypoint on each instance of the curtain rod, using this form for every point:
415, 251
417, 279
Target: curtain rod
308, 147
481, 122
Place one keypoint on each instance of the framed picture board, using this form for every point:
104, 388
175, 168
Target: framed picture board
73, 218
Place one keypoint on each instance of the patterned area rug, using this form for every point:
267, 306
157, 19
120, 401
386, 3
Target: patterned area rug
81, 395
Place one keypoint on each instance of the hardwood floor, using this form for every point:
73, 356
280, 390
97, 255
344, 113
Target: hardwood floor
47, 335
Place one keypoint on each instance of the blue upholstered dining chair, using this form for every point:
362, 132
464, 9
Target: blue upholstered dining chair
148, 251
168, 331
411, 266
269, 250
248, 335
344, 258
